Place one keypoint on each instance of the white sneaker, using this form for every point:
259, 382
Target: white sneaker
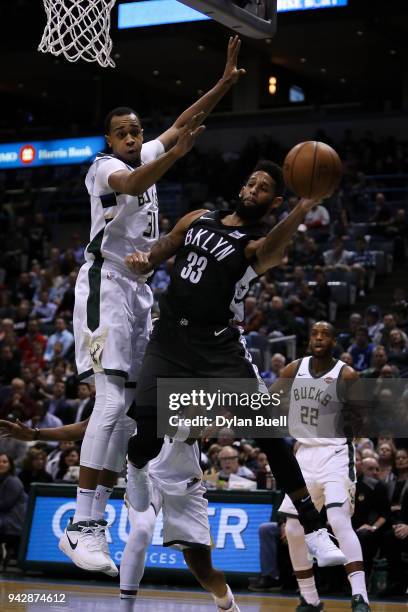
80, 544
233, 607
100, 534
322, 548
139, 488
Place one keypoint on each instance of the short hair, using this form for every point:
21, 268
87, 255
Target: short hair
275, 172
118, 112
329, 325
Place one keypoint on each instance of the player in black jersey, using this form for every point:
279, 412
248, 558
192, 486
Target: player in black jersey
218, 255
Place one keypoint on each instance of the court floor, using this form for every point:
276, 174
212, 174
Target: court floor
96, 598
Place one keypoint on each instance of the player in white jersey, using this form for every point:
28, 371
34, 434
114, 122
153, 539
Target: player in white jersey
112, 304
178, 491
318, 391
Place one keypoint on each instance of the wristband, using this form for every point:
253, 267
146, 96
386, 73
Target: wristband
36, 433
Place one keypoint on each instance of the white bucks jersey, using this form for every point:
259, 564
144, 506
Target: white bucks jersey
315, 411
120, 223
177, 467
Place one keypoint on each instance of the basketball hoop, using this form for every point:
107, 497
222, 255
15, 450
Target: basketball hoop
79, 29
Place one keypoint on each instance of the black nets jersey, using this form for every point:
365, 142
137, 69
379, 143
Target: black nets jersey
211, 274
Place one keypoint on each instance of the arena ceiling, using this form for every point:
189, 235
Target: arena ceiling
347, 54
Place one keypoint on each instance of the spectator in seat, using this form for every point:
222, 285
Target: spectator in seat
347, 358
69, 458
361, 350
278, 361
373, 322
347, 337
278, 320
16, 395
32, 337
61, 335
322, 290
386, 458
228, 459
253, 316
382, 217
9, 365
53, 458
383, 337
395, 543
34, 468
372, 508
317, 222
13, 502
398, 351
338, 256
269, 536
59, 406
399, 485
42, 419
378, 360
22, 318
226, 437
362, 260
85, 403
66, 305
44, 310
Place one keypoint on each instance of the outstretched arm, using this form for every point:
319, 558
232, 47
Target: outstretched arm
208, 101
67, 433
269, 251
137, 181
163, 249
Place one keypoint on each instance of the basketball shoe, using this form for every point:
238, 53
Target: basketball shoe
100, 535
322, 548
81, 544
232, 605
358, 604
139, 487
307, 607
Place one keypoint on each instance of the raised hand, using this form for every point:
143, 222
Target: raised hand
188, 135
231, 72
138, 262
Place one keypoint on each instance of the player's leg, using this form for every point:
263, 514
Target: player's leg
302, 566
133, 560
339, 517
212, 580
192, 535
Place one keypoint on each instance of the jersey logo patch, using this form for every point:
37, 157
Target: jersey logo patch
328, 380
237, 235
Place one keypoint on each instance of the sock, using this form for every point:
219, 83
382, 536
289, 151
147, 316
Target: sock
308, 515
127, 603
102, 494
83, 511
308, 590
358, 584
226, 601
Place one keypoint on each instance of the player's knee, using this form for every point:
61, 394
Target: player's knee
294, 529
339, 519
139, 539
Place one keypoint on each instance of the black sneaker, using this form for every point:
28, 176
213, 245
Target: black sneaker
265, 584
358, 604
307, 607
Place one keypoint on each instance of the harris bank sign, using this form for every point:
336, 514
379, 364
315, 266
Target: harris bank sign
50, 152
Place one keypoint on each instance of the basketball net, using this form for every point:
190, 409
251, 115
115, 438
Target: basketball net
79, 29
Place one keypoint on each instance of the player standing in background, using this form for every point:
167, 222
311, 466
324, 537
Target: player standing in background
218, 255
112, 305
317, 397
178, 491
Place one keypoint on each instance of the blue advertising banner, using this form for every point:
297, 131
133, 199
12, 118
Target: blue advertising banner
234, 531
50, 152
161, 12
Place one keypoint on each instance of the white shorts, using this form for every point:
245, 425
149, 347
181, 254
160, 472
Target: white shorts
185, 517
329, 474
111, 320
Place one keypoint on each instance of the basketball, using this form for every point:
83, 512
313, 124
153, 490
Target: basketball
312, 170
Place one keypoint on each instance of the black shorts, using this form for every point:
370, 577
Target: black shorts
184, 351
